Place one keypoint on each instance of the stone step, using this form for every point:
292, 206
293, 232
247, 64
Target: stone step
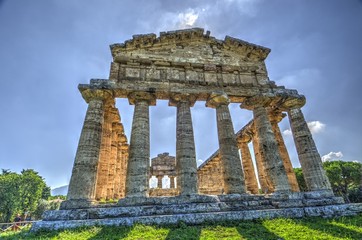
198, 218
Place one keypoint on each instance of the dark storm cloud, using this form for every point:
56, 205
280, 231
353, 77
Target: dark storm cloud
49, 47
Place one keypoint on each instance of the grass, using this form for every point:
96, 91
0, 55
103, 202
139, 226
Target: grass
306, 228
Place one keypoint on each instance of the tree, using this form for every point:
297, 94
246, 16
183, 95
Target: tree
9, 195
20, 193
343, 176
300, 179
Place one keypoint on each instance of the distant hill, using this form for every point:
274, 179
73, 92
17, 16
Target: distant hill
60, 190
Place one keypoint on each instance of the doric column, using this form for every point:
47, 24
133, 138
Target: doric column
265, 184
124, 162
105, 153
310, 160
268, 146
228, 149
82, 184
117, 178
186, 167
159, 181
114, 154
275, 117
172, 182
248, 167
139, 151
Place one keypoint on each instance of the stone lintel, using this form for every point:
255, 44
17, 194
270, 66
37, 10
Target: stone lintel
164, 90
133, 97
176, 98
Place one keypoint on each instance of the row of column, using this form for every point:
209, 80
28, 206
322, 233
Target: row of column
84, 176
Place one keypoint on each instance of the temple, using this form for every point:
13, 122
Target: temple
183, 67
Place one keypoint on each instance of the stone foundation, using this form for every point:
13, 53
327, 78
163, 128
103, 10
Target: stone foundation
196, 209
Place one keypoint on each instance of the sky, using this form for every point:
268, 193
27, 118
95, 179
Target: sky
48, 47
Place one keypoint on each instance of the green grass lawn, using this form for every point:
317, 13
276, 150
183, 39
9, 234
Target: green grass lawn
307, 228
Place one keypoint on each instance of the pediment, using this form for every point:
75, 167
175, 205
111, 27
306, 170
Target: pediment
191, 46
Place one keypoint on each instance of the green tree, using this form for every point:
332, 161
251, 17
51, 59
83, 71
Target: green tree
343, 176
20, 193
300, 179
9, 195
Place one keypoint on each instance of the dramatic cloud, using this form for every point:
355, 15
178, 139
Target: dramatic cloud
316, 126
332, 156
187, 19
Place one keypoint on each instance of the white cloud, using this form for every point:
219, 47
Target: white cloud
287, 132
316, 126
187, 19
332, 156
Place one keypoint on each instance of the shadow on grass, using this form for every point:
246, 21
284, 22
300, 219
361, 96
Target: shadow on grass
337, 231
112, 232
182, 231
255, 230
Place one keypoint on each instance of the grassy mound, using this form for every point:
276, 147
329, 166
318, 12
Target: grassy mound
306, 228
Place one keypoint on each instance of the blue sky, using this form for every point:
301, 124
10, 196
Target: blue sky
48, 47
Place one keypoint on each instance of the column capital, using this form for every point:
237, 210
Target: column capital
275, 116
251, 103
98, 94
134, 97
176, 98
216, 99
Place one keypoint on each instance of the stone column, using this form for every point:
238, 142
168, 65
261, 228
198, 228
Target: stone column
82, 184
310, 160
275, 117
186, 167
104, 156
113, 156
139, 151
124, 162
117, 177
269, 148
172, 182
248, 167
228, 149
159, 181
265, 184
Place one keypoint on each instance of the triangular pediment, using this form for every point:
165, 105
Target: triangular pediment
191, 46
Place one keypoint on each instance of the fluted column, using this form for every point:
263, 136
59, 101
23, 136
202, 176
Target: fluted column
228, 149
310, 160
139, 151
248, 167
117, 178
265, 184
113, 156
82, 184
172, 182
159, 181
275, 117
104, 155
268, 146
124, 164
186, 167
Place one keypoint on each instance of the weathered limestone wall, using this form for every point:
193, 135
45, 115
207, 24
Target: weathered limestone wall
210, 176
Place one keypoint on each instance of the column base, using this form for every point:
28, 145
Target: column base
77, 204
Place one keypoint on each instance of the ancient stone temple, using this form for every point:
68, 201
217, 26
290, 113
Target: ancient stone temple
183, 67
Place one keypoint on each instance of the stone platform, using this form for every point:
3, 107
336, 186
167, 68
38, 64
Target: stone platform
196, 209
